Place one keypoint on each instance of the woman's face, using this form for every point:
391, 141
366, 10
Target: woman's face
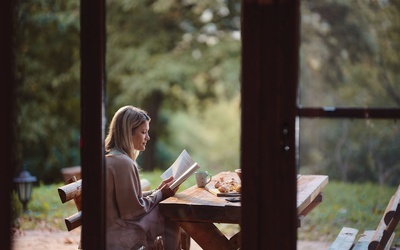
141, 136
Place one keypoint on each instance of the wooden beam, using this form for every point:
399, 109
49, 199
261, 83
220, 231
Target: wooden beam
309, 208
392, 207
352, 113
7, 117
386, 236
93, 123
70, 191
73, 221
270, 54
200, 233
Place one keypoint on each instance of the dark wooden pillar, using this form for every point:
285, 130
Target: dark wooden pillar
270, 44
93, 122
7, 116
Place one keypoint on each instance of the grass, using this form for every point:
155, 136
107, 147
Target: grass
353, 205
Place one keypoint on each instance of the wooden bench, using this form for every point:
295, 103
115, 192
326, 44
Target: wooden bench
73, 191
379, 239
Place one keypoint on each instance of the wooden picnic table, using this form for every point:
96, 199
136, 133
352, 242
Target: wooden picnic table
196, 209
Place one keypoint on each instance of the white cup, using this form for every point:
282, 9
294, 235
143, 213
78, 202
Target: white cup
202, 178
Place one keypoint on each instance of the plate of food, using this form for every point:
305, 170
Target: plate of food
225, 187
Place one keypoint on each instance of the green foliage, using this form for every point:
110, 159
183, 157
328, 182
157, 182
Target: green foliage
347, 51
210, 136
370, 155
348, 60
181, 62
193, 61
47, 70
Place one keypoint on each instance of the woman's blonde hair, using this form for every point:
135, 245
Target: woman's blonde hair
121, 129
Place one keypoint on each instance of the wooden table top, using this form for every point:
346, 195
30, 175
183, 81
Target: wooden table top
308, 188
199, 205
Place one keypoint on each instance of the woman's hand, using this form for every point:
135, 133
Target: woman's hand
165, 188
168, 180
167, 191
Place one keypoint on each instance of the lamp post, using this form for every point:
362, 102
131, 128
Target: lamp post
24, 187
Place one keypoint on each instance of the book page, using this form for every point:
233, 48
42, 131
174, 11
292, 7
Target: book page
180, 166
185, 175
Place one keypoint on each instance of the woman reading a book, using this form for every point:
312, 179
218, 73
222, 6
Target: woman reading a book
133, 219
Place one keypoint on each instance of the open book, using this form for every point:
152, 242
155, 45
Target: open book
183, 167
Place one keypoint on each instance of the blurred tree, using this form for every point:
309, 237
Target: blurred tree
47, 58
211, 136
349, 59
170, 55
180, 60
163, 56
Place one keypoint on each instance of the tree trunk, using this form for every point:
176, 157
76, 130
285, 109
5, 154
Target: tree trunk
153, 104
341, 159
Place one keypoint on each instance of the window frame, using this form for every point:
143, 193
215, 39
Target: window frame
334, 112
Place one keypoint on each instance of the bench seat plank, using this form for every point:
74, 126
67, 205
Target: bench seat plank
365, 239
345, 239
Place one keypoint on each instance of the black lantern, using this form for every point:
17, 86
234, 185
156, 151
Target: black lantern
24, 187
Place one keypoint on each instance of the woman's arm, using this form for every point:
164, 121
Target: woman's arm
163, 183
147, 193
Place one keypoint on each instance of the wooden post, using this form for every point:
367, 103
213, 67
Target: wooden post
7, 117
270, 48
93, 123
